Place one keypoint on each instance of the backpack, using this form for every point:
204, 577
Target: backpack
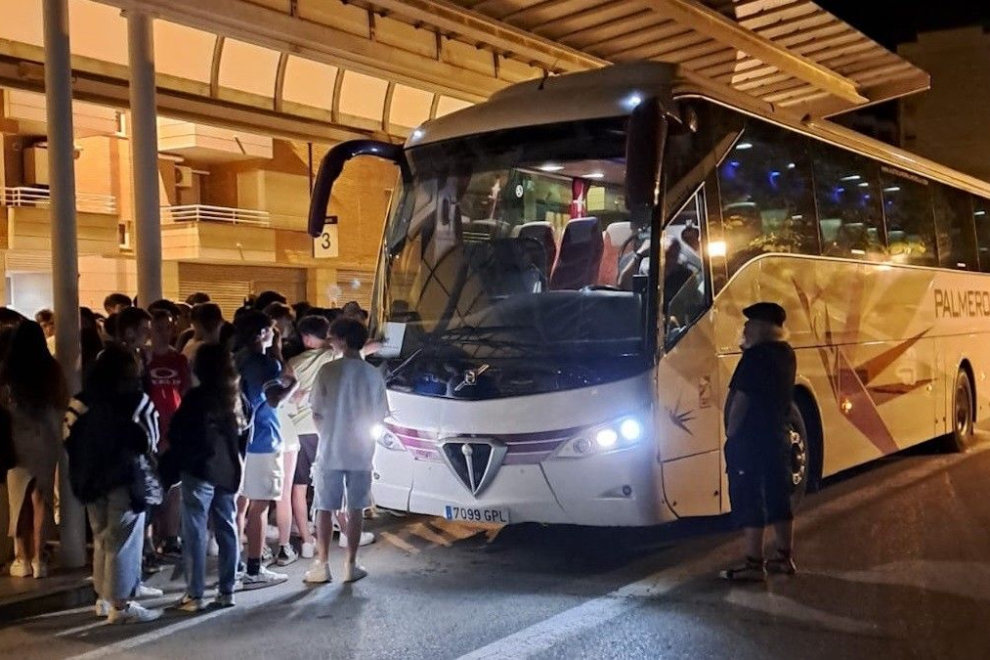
103, 447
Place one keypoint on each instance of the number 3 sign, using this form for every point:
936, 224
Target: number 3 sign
325, 245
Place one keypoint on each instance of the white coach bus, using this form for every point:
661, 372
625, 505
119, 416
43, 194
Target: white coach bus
561, 282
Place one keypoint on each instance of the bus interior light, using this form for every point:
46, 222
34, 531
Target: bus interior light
717, 249
743, 146
851, 177
632, 101
550, 167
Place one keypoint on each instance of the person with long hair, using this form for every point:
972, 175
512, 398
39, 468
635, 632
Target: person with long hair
109, 427
208, 439
33, 389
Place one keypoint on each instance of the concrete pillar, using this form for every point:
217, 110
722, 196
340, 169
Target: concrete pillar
144, 157
65, 256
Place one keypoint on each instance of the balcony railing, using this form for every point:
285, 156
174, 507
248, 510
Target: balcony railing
204, 213
42, 198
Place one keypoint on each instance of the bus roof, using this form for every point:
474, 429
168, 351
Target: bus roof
615, 91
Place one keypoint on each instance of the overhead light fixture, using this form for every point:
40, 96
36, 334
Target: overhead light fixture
550, 167
593, 175
892, 189
632, 101
743, 146
864, 184
851, 177
980, 213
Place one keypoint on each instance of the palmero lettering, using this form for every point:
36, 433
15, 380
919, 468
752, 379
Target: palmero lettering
959, 303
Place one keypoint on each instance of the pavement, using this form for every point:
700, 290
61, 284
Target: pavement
894, 561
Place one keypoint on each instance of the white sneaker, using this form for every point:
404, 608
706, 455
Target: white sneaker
263, 578
133, 613
286, 555
102, 608
318, 573
353, 572
367, 538
267, 556
224, 600
190, 604
20, 568
39, 568
144, 591
212, 547
307, 551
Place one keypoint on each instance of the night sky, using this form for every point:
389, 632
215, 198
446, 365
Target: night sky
891, 22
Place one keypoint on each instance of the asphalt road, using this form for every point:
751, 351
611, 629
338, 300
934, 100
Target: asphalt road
894, 562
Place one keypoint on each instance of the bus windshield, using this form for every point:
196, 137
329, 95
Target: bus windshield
510, 265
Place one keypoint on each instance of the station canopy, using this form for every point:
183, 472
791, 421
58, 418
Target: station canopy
328, 70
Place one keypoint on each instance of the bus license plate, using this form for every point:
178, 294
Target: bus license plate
476, 514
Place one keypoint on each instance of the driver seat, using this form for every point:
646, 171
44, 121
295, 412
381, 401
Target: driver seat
580, 255
614, 237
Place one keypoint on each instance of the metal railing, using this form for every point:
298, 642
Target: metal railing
42, 197
204, 213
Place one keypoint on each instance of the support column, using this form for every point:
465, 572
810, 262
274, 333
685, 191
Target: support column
65, 256
144, 157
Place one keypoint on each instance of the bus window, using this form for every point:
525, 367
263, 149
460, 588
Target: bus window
683, 286
981, 216
766, 192
907, 207
848, 196
955, 234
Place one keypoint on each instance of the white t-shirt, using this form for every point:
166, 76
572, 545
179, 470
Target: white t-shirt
350, 396
306, 366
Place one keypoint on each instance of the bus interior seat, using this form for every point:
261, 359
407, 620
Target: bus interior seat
542, 233
484, 230
580, 255
510, 266
614, 237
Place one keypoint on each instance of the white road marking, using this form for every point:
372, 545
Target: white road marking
80, 629
543, 636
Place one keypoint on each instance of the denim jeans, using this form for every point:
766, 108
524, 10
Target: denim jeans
118, 541
199, 499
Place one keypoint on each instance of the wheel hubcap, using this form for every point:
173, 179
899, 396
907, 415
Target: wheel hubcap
962, 411
799, 457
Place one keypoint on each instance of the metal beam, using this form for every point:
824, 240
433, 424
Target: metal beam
705, 20
479, 28
112, 91
319, 42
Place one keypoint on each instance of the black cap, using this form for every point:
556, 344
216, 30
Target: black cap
766, 311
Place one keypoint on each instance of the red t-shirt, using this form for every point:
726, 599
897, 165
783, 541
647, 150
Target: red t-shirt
168, 378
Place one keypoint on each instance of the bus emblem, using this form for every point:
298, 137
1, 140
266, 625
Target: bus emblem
474, 461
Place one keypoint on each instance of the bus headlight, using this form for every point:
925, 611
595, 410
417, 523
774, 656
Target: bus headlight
630, 429
387, 439
606, 438
622, 433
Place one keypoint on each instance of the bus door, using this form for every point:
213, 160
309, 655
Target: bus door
688, 412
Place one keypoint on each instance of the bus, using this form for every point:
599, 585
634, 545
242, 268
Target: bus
561, 282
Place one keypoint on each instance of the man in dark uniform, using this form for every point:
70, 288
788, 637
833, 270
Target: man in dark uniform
757, 450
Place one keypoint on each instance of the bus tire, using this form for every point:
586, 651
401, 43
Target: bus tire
815, 437
962, 436
798, 454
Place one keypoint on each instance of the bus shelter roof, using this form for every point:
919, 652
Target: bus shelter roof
327, 69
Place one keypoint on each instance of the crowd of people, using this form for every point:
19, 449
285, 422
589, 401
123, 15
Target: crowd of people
189, 435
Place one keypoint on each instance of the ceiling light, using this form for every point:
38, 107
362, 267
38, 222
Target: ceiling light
594, 175
550, 167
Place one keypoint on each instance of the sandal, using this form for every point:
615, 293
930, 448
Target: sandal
752, 570
782, 563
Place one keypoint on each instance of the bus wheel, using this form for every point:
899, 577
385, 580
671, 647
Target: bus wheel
962, 413
798, 455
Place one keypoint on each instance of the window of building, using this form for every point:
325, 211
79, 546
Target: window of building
848, 194
765, 186
907, 207
955, 234
981, 216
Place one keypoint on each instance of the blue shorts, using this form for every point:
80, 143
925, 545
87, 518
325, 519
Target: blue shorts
331, 486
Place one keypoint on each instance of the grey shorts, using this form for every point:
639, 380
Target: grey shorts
331, 486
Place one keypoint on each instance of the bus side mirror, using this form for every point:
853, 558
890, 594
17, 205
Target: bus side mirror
644, 147
333, 164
